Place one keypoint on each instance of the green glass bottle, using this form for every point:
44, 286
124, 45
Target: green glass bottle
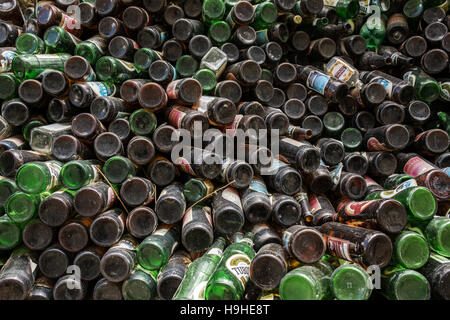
115, 70
374, 31
425, 87
230, 278
352, 139
10, 233
333, 123
28, 66
199, 272
266, 14
212, 10
419, 201
21, 206
437, 233
395, 180
36, 177
411, 250
404, 284
207, 79
30, 126
141, 285
58, 40
186, 66
7, 188
309, 282
8, 85
79, 173
144, 57
345, 9
142, 122
196, 189
350, 282
92, 49
117, 169
219, 32
155, 250
28, 43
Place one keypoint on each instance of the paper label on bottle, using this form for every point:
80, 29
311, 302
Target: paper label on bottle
317, 81
187, 217
446, 171
340, 70
293, 142
370, 181
239, 266
54, 169
262, 36
314, 203
445, 90
385, 83
374, 145
161, 231
418, 136
215, 251
99, 42
330, 3
68, 23
301, 196
225, 165
405, 185
355, 208
336, 174
127, 65
199, 291
126, 244
99, 89
7, 61
258, 186
232, 195
176, 117
410, 77
111, 197
340, 247
185, 166
417, 166
234, 125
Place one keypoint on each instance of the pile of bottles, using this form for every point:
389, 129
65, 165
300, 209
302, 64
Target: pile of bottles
95, 97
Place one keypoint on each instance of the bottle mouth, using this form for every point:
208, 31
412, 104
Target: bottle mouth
286, 73
142, 122
84, 125
412, 251
411, 285
229, 89
298, 286
294, 109
76, 67
349, 282
260, 267
386, 163
147, 38
54, 82
182, 29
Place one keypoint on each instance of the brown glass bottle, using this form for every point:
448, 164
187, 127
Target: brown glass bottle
305, 244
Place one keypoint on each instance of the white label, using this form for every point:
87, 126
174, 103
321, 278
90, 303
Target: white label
54, 168
232, 195
215, 251
99, 89
239, 266
340, 70
199, 291
161, 232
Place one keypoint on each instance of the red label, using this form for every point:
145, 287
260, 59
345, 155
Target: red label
374, 145
355, 208
314, 203
185, 166
370, 181
343, 203
417, 166
418, 136
172, 90
176, 117
340, 247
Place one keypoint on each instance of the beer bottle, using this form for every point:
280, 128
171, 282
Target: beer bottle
58, 40
151, 37
301, 153
117, 169
7, 56
137, 191
437, 272
117, 263
37, 235
388, 215
321, 209
238, 171
398, 90
304, 243
246, 72
92, 49
107, 228
155, 250
129, 90
426, 88
264, 234
93, 199
53, 261
229, 89
105, 289
233, 271
50, 15
9, 86
10, 233
57, 208
12, 143
207, 80
299, 133
310, 282
141, 285
88, 260
197, 230
431, 142
136, 18
350, 282
306, 8
12, 160
197, 188
107, 145
121, 128
327, 86
434, 61
417, 112
386, 138
30, 66
82, 94
115, 70
436, 234
170, 205
256, 202
66, 148
66, 288
186, 66
171, 275
87, 127
56, 84
161, 171
414, 46
374, 31
199, 162
110, 27
219, 111
140, 150
286, 211
192, 286
42, 289
381, 163
184, 29
319, 181
28, 43
141, 222
363, 246
397, 58
411, 250
7, 188
227, 212
78, 68
268, 266
425, 174
410, 196
89, 17
11, 11
394, 281
19, 272
322, 49
73, 236
36, 177
123, 48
